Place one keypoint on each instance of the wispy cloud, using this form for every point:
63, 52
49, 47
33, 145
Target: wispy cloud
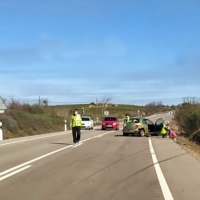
52, 50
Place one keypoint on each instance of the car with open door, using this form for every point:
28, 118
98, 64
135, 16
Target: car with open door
142, 126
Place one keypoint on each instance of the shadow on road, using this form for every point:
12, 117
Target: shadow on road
61, 143
126, 135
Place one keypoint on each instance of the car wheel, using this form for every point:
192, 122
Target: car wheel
125, 134
141, 133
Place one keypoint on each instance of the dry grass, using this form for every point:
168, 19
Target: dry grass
191, 147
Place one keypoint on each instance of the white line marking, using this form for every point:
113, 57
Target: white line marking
43, 156
86, 139
34, 160
163, 184
15, 172
33, 139
98, 136
108, 132
77, 144
40, 137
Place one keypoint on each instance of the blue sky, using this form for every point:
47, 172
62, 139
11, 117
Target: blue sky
75, 51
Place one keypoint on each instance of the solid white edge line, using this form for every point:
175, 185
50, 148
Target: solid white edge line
163, 184
15, 172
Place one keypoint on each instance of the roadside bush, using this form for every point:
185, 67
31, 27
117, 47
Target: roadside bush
196, 137
36, 109
187, 116
15, 105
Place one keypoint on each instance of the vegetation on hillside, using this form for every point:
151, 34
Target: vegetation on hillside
187, 116
22, 119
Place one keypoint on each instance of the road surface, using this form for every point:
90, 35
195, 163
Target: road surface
106, 166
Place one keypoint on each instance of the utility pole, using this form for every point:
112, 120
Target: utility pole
39, 101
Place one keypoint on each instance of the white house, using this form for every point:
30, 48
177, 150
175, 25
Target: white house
2, 106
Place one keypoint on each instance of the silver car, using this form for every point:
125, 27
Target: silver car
87, 122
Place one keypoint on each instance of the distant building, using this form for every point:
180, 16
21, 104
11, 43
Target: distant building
2, 106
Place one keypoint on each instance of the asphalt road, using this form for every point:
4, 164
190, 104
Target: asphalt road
106, 166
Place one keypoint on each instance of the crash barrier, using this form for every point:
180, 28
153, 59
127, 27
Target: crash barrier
65, 125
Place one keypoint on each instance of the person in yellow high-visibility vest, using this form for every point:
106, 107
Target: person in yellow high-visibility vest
126, 120
76, 123
164, 131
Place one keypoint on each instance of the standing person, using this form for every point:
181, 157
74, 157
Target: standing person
76, 123
127, 119
164, 131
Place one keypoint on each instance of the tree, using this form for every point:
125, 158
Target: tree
104, 103
154, 107
45, 102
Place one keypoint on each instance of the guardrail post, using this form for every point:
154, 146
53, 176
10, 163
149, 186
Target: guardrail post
1, 132
65, 128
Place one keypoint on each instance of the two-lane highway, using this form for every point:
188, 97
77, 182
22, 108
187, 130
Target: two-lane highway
106, 165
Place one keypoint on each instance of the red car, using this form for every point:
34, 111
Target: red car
110, 122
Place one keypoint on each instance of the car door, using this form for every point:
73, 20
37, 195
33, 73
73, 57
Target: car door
158, 125
151, 126
145, 125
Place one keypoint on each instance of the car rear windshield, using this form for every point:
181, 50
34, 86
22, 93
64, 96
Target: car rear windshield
110, 119
85, 119
134, 120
